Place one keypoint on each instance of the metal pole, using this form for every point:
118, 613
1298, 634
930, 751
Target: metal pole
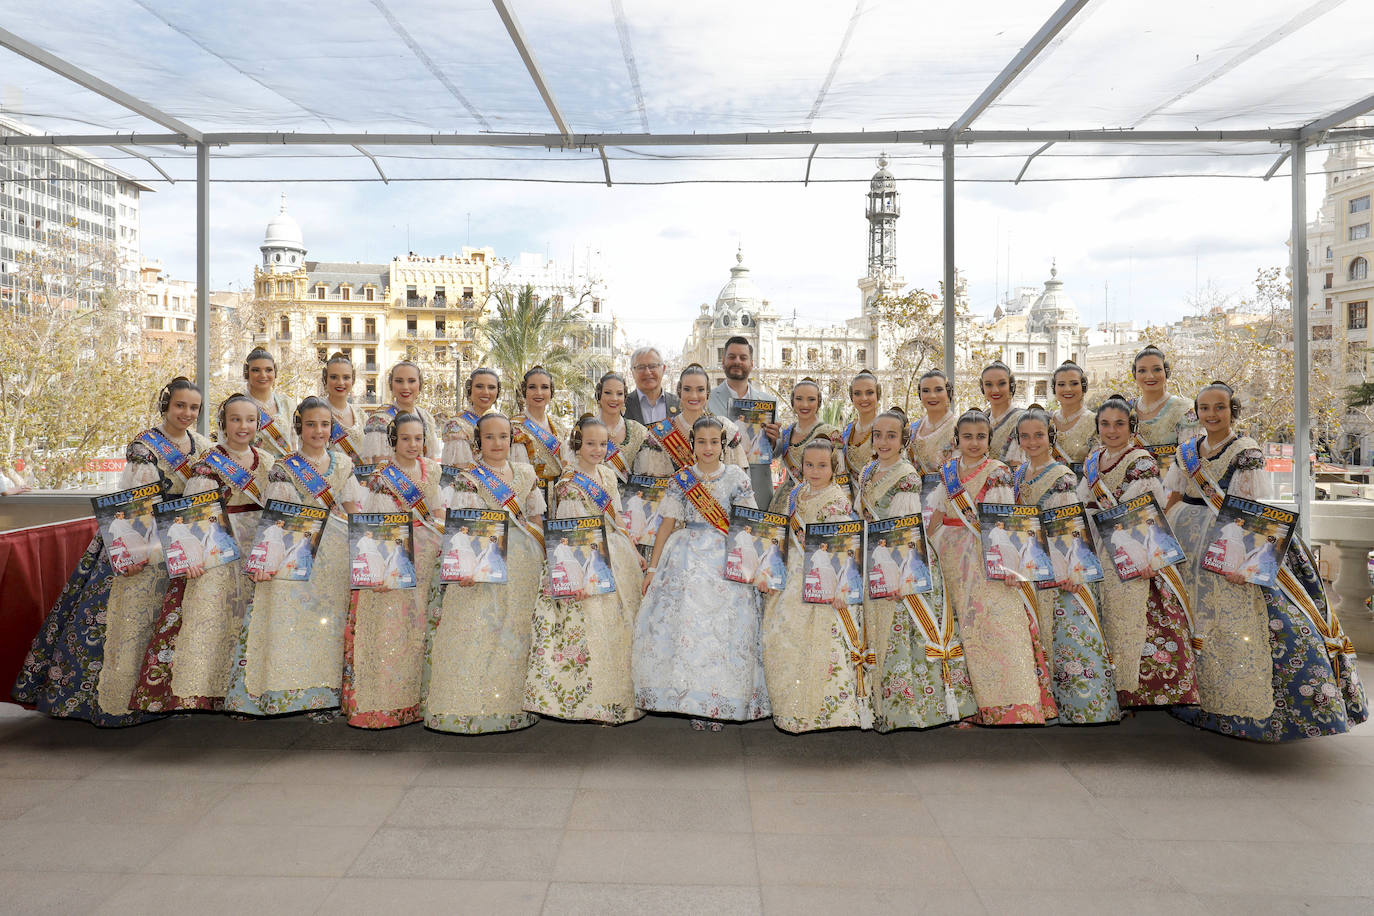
203, 281
1302, 360
949, 258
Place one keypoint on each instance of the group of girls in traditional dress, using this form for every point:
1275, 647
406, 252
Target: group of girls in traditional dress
675, 636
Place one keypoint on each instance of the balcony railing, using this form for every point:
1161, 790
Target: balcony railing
346, 336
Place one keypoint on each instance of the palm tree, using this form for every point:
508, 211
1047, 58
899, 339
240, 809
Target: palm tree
527, 331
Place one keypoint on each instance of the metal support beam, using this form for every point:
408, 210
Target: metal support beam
807, 179
1278, 164
605, 164
1039, 41
1336, 119
949, 257
148, 159
203, 281
95, 84
375, 164
1029, 160
1302, 360
517, 36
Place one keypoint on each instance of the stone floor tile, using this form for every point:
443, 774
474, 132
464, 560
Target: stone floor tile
994, 777
1283, 905
1073, 902
83, 847
198, 764
216, 895
806, 900
222, 731
842, 814
19, 795
664, 772
485, 807
29, 762
261, 849
48, 893
638, 857
862, 862
306, 805
1026, 815
689, 810
1238, 819
434, 897
1019, 864
437, 852
569, 899
344, 767
1275, 866
127, 801
828, 773
536, 771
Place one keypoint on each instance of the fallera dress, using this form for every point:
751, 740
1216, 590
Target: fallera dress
1003, 444
808, 661
579, 659
290, 649
791, 444
1075, 437
84, 662
922, 677
477, 642
697, 649
1265, 671
280, 409
189, 658
377, 448
1080, 666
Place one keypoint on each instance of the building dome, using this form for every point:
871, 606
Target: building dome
283, 231
1054, 306
737, 306
882, 181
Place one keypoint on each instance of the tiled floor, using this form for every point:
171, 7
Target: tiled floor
207, 815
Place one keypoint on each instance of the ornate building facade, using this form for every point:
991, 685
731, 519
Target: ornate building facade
1036, 332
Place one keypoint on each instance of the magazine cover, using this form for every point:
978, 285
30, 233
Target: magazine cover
579, 561
287, 540
127, 528
1164, 456
381, 551
363, 471
1013, 545
195, 533
448, 473
756, 546
931, 491
842, 479
833, 560
896, 551
751, 415
1138, 536
474, 546
1073, 553
639, 509
1248, 540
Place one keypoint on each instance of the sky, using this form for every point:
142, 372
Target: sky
1128, 249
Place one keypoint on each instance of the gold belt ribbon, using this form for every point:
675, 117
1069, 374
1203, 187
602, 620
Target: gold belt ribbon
857, 644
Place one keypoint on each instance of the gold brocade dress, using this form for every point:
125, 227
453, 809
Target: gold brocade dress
1077, 439
796, 444
857, 448
377, 448
1004, 445
188, 660
282, 411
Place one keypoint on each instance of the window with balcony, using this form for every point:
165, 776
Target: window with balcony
411, 294
345, 293
1041, 389
835, 354
1359, 269
1357, 315
1020, 359
440, 328
370, 327
321, 325
370, 364
1359, 231
346, 326
1329, 278
1040, 359
284, 328
412, 326
184, 325
370, 294
1321, 332
786, 355
1359, 204
319, 291
861, 356
153, 322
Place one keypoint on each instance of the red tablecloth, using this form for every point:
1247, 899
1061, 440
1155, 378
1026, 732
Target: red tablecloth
34, 566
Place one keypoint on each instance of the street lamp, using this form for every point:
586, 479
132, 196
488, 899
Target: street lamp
457, 355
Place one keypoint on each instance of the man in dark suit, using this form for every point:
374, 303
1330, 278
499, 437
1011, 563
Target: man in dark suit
648, 402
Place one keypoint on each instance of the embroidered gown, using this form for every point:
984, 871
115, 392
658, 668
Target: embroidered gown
696, 645
632, 436
1146, 627
811, 675
1264, 672
1081, 670
655, 462
1003, 444
857, 449
384, 639
280, 409
375, 446
548, 467
1006, 661
189, 658
911, 655
84, 662
477, 642
579, 659
796, 445
1175, 422
289, 656
460, 435
1077, 439
355, 430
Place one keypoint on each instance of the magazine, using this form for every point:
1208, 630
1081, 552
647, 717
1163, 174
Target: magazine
834, 553
756, 547
474, 546
287, 541
381, 550
579, 561
363, 471
1249, 539
639, 510
195, 532
751, 415
897, 563
1073, 553
127, 528
1165, 455
1138, 536
932, 488
1013, 545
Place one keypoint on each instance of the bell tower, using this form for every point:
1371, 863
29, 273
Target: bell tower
882, 212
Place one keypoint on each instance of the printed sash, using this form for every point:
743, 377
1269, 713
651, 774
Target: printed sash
339, 436
669, 438
1169, 574
616, 460
309, 478
504, 496
155, 440
233, 473
269, 426
599, 496
1327, 625
407, 492
543, 446
700, 496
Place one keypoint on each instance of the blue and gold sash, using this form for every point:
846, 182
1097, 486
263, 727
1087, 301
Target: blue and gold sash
616, 460
269, 426
233, 473
700, 496
155, 440
502, 494
309, 478
543, 446
405, 490
339, 436
670, 439
598, 495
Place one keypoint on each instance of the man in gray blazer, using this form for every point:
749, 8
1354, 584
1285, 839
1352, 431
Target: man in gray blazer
738, 363
648, 402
